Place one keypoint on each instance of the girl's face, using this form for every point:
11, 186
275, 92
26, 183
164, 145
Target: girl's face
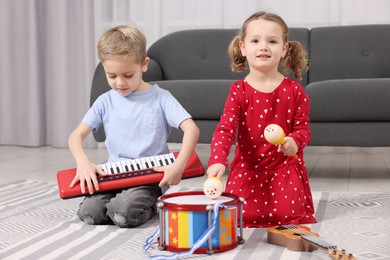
263, 45
125, 75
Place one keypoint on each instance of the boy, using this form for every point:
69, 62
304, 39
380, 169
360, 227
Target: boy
137, 119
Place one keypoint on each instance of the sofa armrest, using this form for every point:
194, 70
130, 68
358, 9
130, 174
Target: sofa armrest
154, 72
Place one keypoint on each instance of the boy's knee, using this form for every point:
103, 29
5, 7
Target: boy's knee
93, 216
132, 218
87, 219
119, 219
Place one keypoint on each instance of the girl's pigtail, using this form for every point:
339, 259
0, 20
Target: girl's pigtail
238, 62
296, 59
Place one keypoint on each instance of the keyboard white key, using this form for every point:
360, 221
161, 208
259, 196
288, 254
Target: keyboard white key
103, 167
138, 164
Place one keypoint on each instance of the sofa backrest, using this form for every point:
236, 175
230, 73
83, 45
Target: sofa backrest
201, 54
194, 54
203, 99
349, 52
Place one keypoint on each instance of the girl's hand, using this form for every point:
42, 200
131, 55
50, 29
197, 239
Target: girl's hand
172, 174
216, 170
86, 174
289, 148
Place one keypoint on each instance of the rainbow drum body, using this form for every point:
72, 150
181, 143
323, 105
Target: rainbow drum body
185, 216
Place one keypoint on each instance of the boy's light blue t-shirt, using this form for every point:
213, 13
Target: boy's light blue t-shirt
137, 125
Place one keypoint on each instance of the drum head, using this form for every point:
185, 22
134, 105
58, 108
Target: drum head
200, 199
195, 200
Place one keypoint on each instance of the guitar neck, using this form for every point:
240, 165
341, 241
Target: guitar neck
333, 251
319, 242
300, 238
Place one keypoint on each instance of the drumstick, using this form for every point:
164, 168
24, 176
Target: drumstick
213, 187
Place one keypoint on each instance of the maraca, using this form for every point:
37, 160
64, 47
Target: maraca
213, 187
274, 134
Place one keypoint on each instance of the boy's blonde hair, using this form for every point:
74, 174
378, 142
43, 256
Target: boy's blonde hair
122, 41
295, 58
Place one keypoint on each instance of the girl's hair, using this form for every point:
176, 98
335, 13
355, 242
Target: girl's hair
122, 41
296, 56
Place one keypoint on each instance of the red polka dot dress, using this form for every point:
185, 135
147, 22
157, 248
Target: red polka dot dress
275, 187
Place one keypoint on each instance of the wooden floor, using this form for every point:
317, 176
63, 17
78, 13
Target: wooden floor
349, 169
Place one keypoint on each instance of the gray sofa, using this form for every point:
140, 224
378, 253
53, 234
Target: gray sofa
348, 81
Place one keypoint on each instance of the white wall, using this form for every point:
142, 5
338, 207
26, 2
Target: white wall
157, 18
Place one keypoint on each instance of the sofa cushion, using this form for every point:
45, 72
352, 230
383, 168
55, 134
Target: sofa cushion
349, 100
194, 54
203, 99
360, 134
349, 52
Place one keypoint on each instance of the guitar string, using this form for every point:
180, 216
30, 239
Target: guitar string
318, 240
314, 239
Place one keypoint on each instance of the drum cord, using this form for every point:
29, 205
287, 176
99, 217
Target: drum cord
203, 238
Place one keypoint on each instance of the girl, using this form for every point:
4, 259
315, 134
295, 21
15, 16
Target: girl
273, 183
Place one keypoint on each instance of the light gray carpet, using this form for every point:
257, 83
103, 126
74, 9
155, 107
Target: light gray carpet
35, 223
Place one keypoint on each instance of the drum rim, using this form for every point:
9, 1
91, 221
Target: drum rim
193, 207
204, 250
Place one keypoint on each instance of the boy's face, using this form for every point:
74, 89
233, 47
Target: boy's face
125, 75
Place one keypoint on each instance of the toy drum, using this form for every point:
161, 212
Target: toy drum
185, 216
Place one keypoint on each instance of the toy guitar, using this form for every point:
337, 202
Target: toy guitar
300, 238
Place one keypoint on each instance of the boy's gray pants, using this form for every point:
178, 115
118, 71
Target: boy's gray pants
128, 208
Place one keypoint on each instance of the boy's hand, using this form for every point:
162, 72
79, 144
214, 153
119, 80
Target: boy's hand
86, 174
216, 170
172, 174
